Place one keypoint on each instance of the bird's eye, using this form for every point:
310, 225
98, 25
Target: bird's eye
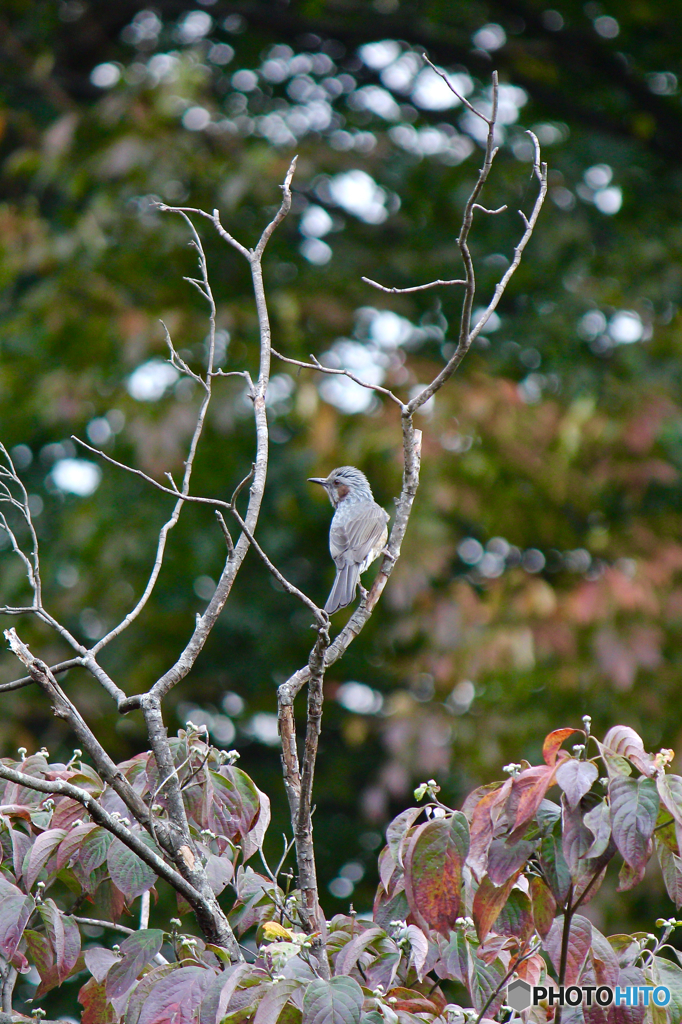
337, 482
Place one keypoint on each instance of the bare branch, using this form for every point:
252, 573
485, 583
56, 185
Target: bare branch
63, 666
467, 334
175, 359
411, 289
281, 213
226, 533
462, 99
317, 365
484, 209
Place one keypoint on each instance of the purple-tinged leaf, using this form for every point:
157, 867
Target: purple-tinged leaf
629, 1014
527, 793
622, 741
488, 902
671, 869
39, 949
176, 999
41, 851
21, 846
99, 961
484, 980
670, 791
576, 838
389, 908
604, 960
629, 876
219, 872
387, 866
516, 917
129, 874
576, 779
579, 941
253, 840
137, 951
433, 871
484, 817
598, 820
338, 1001
72, 947
554, 866
16, 910
626, 949
347, 957
634, 808
454, 958
53, 919
274, 1000
506, 859
231, 802
69, 848
544, 906
133, 1001
397, 831
420, 948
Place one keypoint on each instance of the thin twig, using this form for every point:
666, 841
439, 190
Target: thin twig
411, 289
317, 365
462, 99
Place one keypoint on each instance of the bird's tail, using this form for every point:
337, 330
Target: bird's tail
345, 586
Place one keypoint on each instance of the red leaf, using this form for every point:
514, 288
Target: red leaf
553, 743
433, 871
544, 905
528, 792
488, 903
579, 941
483, 820
98, 1009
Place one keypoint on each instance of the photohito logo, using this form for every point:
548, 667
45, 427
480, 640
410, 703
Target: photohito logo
521, 995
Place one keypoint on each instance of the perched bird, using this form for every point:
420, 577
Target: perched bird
358, 532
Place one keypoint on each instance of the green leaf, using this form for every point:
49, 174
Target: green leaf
338, 1001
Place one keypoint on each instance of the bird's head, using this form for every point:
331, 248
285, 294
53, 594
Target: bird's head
344, 483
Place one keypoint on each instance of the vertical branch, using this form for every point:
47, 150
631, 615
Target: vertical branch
565, 937
313, 918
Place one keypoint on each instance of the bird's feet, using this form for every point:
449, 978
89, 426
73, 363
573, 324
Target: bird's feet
388, 554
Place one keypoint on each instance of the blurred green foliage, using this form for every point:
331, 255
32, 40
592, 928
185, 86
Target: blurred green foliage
541, 578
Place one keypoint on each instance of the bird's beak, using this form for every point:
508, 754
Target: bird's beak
317, 480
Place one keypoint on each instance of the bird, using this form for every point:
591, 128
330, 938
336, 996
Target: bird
358, 532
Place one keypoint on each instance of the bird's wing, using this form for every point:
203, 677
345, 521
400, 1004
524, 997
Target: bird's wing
353, 540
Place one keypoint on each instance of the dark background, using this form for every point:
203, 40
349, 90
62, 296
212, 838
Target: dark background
541, 575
